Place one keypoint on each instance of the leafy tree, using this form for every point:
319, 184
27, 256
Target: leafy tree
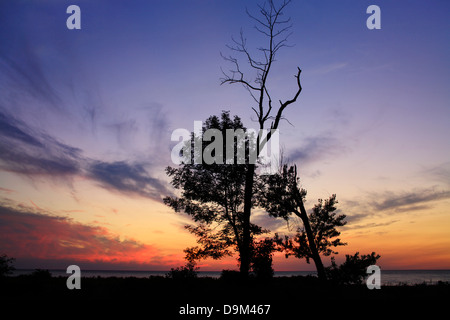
262, 258
281, 196
323, 222
213, 195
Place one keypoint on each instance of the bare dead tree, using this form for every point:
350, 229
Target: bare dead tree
272, 24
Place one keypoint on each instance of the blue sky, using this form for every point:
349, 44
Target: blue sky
87, 114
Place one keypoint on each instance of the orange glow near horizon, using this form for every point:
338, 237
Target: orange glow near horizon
155, 238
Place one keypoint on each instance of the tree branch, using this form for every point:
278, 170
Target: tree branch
275, 28
288, 102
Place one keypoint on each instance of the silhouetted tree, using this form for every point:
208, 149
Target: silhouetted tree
6, 265
188, 271
262, 258
276, 29
41, 275
352, 270
213, 195
281, 195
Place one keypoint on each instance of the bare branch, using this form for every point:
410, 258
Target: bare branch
256, 19
288, 102
262, 31
231, 79
272, 24
251, 94
243, 49
270, 105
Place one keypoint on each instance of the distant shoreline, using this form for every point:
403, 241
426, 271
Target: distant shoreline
215, 271
388, 277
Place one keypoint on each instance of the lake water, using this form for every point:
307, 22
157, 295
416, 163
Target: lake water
388, 277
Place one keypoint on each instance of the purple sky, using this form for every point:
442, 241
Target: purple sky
86, 115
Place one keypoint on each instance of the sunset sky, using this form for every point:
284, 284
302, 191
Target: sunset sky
86, 118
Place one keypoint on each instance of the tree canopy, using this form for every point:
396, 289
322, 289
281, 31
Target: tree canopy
282, 196
213, 195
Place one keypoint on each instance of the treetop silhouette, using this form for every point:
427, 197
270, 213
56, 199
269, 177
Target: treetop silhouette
213, 195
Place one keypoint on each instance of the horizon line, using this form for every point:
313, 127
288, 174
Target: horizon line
133, 270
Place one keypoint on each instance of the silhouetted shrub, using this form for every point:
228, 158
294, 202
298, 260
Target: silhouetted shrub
261, 263
189, 271
353, 270
230, 275
6, 265
41, 274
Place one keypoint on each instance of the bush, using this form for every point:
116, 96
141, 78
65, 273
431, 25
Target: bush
261, 263
353, 270
6, 266
41, 274
189, 271
230, 275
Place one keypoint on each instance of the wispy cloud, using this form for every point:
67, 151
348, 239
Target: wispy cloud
27, 77
127, 178
30, 152
263, 220
385, 208
124, 131
370, 225
329, 68
412, 200
7, 191
34, 153
315, 148
439, 173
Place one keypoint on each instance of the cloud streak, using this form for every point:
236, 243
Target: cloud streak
329, 68
29, 152
28, 77
315, 148
34, 153
127, 178
413, 200
379, 206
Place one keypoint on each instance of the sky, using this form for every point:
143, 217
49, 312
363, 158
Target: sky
86, 117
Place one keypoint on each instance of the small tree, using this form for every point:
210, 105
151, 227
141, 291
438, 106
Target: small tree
352, 270
323, 221
281, 196
41, 274
6, 265
189, 271
261, 262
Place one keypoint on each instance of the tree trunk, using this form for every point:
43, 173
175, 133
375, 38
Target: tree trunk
311, 240
246, 237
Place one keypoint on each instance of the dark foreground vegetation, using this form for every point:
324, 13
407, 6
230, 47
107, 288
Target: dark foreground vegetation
207, 290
